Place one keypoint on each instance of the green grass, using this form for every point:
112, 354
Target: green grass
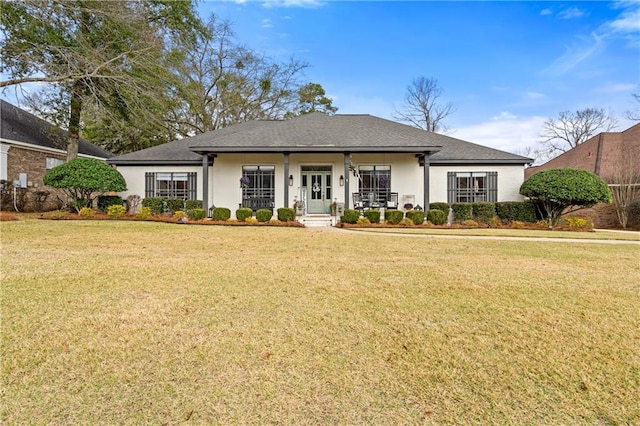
107, 322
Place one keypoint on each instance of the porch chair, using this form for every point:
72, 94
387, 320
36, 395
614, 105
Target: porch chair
392, 202
358, 204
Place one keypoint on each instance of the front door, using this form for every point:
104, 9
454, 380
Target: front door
316, 182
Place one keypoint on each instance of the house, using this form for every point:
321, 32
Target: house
29, 146
606, 155
317, 159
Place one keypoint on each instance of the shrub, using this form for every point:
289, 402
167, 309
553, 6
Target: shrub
470, 223
252, 220
350, 216
83, 178
174, 204
179, 215
104, 201
462, 211
579, 223
516, 224
192, 204
87, 212
416, 216
440, 206
523, 211
196, 214
437, 217
243, 213
393, 216
221, 213
362, 220
116, 211
483, 212
406, 222
156, 204
143, 213
286, 214
264, 215
495, 222
373, 215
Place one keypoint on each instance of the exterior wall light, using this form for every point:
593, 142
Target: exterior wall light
290, 180
341, 180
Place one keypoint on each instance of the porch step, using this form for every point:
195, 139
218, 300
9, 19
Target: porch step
317, 220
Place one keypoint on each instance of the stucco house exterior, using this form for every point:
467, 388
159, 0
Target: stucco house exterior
320, 159
29, 147
605, 154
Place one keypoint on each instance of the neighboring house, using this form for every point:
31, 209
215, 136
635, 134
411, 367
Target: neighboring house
606, 155
29, 146
319, 159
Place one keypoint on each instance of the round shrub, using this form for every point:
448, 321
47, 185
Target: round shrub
179, 215
196, 214
174, 204
440, 206
286, 214
350, 216
221, 213
104, 201
243, 213
193, 204
373, 215
406, 222
144, 213
437, 217
393, 216
416, 216
116, 211
156, 204
86, 212
462, 211
252, 220
264, 215
362, 220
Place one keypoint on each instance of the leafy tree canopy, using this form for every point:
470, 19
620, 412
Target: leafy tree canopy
83, 179
313, 98
556, 190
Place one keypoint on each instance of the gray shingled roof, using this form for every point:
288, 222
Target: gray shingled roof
319, 132
19, 125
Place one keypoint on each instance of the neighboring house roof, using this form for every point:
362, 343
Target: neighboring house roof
18, 125
604, 154
320, 133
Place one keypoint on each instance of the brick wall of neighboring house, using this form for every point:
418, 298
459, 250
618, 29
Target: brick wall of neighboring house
34, 164
602, 215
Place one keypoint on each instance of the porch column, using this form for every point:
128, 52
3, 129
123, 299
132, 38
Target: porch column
347, 163
426, 181
206, 161
286, 179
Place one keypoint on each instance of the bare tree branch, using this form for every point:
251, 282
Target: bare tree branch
421, 106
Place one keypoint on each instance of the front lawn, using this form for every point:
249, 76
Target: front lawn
121, 322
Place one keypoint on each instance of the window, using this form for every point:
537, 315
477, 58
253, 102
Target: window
472, 187
259, 189
376, 180
53, 162
172, 185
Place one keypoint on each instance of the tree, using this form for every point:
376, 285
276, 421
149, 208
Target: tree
422, 107
110, 54
83, 179
312, 98
634, 114
556, 190
570, 129
625, 187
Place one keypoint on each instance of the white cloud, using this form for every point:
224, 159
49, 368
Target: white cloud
293, 3
617, 87
571, 13
266, 23
574, 55
534, 95
545, 12
627, 22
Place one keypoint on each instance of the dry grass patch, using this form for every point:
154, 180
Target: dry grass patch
132, 322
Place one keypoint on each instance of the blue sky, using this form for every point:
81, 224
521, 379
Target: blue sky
506, 66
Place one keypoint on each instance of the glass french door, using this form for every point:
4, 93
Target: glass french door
316, 182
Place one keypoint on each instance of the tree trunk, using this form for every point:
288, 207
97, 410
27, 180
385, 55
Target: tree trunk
74, 120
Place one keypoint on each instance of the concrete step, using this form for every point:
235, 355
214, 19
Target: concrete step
317, 220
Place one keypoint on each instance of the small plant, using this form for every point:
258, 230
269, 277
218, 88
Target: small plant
393, 216
104, 201
252, 220
196, 214
286, 214
406, 222
362, 220
470, 223
350, 216
437, 217
243, 213
408, 206
495, 222
577, 223
516, 224
244, 182
373, 215
156, 204
221, 213
174, 204
143, 213
416, 216
87, 212
116, 211
264, 215
179, 215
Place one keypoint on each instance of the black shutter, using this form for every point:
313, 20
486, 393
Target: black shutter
451, 187
149, 184
492, 186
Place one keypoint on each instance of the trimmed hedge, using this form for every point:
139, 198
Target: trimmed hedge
286, 214
264, 215
104, 201
521, 211
156, 204
221, 213
483, 212
373, 215
416, 216
196, 214
440, 206
174, 204
243, 213
193, 204
437, 217
462, 211
394, 217
350, 216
